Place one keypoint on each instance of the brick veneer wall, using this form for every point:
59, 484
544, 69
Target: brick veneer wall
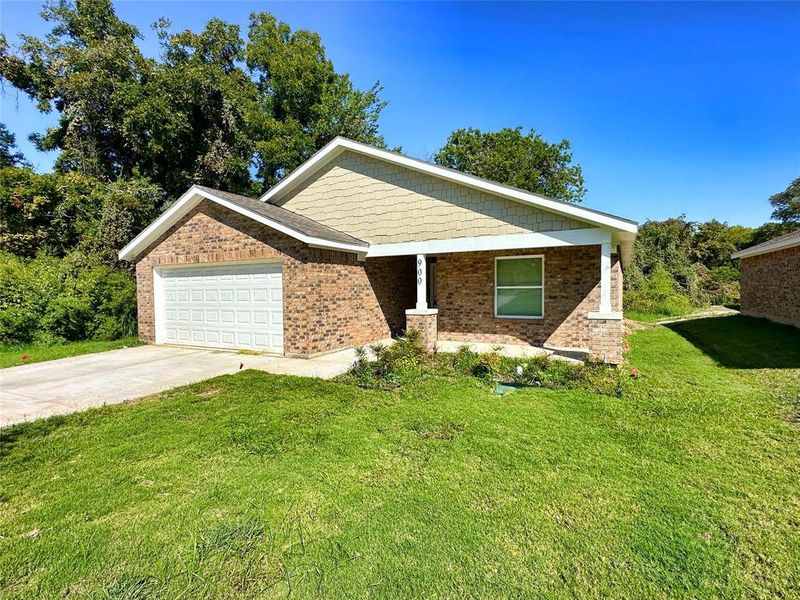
465, 299
427, 327
330, 300
771, 285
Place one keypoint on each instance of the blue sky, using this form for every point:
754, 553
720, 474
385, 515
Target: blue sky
671, 108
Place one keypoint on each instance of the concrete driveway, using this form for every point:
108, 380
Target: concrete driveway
73, 384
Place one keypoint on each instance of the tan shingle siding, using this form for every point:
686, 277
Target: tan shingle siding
383, 203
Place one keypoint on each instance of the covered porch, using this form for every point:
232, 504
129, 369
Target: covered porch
556, 292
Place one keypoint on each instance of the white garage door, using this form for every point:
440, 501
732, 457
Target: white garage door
223, 307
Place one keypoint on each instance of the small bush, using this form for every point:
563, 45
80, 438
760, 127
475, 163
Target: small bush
393, 365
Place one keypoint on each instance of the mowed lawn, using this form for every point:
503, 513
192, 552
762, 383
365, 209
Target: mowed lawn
256, 485
20, 354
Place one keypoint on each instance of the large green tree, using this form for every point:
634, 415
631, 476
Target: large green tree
303, 103
87, 69
213, 109
9, 155
786, 204
508, 156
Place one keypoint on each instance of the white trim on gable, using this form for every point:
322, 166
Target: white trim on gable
338, 145
192, 198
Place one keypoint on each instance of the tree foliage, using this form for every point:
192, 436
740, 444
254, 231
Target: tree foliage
57, 213
214, 109
786, 204
521, 160
9, 155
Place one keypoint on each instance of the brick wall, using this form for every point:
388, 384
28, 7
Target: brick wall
771, 285
465, 283
331, 301
426, 325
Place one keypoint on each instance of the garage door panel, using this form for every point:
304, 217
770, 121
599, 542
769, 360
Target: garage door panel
228, 307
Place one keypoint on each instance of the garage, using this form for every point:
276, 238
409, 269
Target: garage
223, 306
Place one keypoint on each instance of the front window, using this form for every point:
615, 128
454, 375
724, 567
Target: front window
519, 287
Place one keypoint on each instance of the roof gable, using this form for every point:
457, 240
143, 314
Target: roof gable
297, 226
339, 145
382, 202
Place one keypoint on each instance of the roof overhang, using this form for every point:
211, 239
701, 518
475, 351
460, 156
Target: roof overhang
339, 145
593, 236
771, 246
195, 196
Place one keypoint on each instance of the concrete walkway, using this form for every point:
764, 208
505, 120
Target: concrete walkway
73, 384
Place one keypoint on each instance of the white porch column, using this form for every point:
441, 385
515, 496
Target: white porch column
604, 311
605, 278
422, 282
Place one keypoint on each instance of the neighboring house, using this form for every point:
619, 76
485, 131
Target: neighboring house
358, 244
770, 275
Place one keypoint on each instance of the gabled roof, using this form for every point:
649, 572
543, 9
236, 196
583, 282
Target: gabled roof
297, 226
338, 145
779, 243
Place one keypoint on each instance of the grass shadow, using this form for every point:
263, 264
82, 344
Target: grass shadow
743, 342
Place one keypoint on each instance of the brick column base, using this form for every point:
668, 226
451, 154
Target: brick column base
606, 336
426, 321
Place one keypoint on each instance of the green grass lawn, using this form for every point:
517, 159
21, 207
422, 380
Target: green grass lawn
254, 485
12, 355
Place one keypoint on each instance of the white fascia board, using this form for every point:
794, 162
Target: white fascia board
767, 247
513, 241
339, 144
193, 197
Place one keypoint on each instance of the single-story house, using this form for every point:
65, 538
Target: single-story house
358, 244
770, 278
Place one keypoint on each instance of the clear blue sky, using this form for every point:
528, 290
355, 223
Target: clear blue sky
670, 108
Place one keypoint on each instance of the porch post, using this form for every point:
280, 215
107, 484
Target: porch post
423, 319
422, 282
605, 277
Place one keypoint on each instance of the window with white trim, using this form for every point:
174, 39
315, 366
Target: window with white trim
519, 287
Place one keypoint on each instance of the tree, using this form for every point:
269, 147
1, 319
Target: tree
58, 213
86, 69
786, 204
714, 242
9, 156
521, 160
302, 102
214, 109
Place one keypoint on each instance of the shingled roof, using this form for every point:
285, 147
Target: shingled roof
779, 243
304, 225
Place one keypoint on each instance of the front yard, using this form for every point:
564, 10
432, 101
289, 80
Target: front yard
12, 355
263, 485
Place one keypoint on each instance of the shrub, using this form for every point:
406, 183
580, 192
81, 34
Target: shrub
74, 298
658, 293
403, 361
406, 360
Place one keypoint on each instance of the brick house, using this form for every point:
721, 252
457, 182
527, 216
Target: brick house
359, 244
770, 278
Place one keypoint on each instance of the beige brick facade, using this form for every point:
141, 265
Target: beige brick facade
331, 301
379, 202
465, 285
771, 285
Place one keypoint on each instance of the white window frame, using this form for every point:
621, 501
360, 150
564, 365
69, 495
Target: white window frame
518, 287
